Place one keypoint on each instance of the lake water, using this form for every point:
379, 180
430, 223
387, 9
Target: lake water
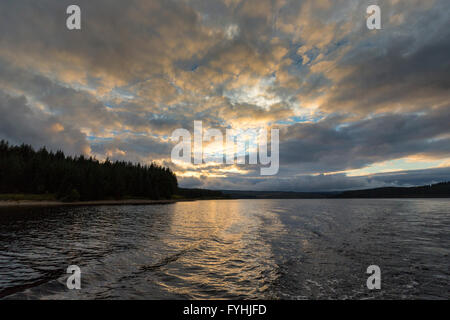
265, 249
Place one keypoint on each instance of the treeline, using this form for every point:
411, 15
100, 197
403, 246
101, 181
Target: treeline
24, 170
438, 190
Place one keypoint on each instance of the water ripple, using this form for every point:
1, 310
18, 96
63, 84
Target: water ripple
241, 249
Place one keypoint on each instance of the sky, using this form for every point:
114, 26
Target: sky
355, 108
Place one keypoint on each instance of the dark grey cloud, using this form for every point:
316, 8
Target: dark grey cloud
331, 145
21, 124
142, 149
405, 67
117, 37
71, 105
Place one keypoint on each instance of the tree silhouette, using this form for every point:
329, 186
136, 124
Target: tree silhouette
24, 170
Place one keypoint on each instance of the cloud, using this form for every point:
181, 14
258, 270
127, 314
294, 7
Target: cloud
21, 124
331, 145
343, 96
321, 183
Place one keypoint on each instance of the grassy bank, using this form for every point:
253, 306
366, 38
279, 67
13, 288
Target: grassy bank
11, 200
28, 203
29, 197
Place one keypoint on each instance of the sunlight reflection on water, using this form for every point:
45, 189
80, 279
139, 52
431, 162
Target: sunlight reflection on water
269, 249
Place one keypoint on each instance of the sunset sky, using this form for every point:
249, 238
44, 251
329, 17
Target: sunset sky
356, 108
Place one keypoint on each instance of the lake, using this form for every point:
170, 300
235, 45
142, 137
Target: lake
229, 249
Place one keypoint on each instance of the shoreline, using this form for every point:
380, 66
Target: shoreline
45, 203
137, 202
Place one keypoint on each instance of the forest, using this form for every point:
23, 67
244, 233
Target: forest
25, 170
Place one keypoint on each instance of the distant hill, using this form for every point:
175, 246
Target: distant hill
237, 194
200, 194
439, 190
